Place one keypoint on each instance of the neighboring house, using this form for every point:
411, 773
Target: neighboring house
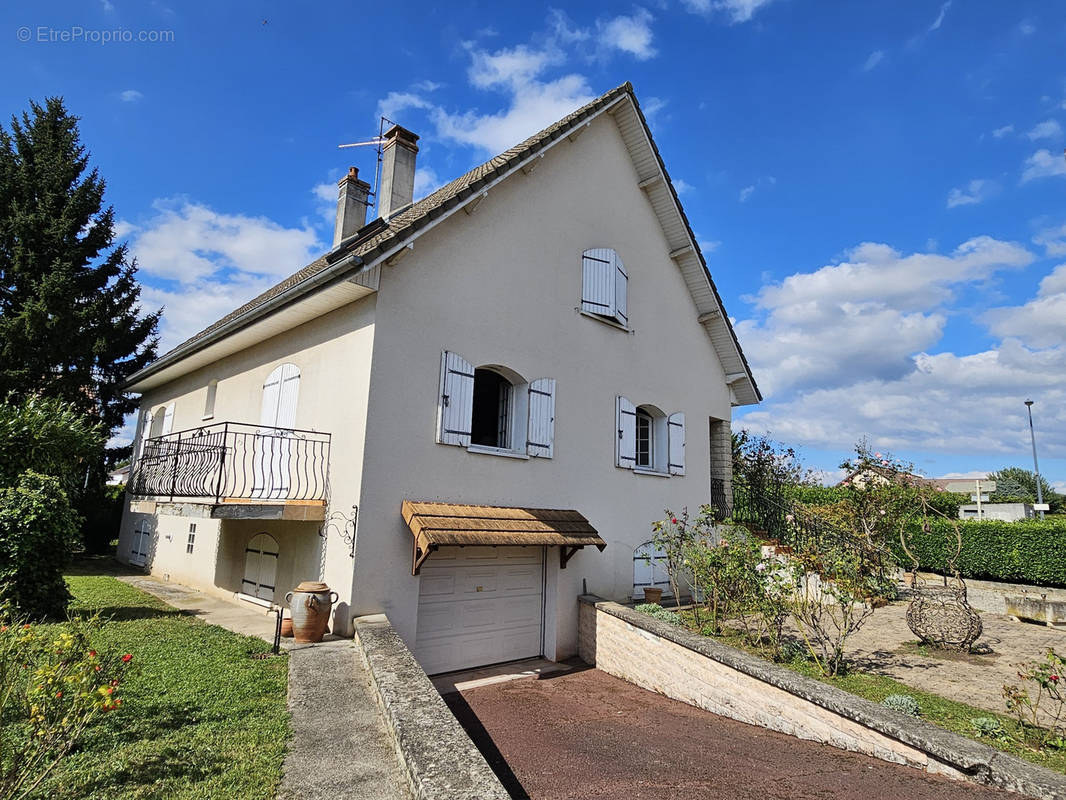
1003, 512
466, 413
119, 475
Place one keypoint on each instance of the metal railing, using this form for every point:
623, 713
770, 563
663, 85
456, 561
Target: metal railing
720, 500
234, 460
768, 511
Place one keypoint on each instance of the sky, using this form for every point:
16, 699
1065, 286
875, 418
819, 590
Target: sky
879, 188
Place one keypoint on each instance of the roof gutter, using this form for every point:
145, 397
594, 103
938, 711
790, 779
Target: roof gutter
335, 271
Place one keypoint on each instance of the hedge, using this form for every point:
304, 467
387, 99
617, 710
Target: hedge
946, 503
1027, 551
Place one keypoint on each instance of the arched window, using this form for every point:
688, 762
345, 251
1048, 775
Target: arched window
260, 566
648, 439
493, 408
649, 570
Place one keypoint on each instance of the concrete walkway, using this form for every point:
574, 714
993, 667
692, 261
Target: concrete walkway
339, 747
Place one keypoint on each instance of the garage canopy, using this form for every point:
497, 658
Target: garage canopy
436, 524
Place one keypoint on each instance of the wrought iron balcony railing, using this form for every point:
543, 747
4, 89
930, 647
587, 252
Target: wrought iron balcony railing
234, 461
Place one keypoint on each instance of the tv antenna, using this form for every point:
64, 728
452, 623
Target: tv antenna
378, 142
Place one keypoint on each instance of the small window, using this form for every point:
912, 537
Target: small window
192, 538
209, 402
648, 439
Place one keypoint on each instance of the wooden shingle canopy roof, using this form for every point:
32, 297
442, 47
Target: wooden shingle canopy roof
437, 524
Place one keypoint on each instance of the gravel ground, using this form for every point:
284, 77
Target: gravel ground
585, 734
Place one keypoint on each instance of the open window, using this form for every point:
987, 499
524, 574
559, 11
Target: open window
209, 401
605, 285
648, 439
494, 409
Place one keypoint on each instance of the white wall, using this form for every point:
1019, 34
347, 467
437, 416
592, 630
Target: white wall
333, 353
502, 287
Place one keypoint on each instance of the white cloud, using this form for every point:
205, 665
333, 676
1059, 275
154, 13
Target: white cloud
873, 60
326, 201
866, 316
1041, 322
1048, 129
1027, 28
1053, 240
426, 182
630, 34
737, 10
745, 193
394, 103
999, 133
947, 402
130, 96
976, 191
940, 17
682, 187
107, 6
202, 264
1043, 164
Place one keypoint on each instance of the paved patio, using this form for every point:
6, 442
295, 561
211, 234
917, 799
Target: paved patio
586, 734
977, 680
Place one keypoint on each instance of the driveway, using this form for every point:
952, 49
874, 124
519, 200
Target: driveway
585, 734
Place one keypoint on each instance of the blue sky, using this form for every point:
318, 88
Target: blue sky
879, 187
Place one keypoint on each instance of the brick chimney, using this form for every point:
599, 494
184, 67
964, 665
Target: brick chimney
397, 171
351, 205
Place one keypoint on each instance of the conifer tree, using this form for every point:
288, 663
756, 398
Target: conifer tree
71, 325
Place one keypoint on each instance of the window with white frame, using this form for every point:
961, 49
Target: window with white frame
604, 285
494, 409
648, 439
191, 543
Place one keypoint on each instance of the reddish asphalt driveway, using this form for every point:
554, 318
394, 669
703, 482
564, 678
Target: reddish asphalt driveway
585, 734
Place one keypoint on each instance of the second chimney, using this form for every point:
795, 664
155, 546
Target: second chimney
397, 171
351, 206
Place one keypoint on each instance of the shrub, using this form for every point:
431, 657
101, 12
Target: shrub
48, 436
659, 613
903, 703
37, 531
1044, 688
54, 686
1027, 551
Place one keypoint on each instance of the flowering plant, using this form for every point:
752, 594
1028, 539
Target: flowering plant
53, 685
1040, 703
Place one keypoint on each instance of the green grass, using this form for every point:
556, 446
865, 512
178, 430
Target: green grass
948, 714
200, 718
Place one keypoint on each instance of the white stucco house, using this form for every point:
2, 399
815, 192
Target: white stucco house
469, 409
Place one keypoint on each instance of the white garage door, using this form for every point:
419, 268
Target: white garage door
479, 605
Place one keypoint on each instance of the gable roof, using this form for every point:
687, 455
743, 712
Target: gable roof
380, 239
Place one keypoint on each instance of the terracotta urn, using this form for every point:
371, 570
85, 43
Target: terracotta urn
311, 603
652, 595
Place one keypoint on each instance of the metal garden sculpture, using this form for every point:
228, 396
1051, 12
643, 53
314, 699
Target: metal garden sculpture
940, 615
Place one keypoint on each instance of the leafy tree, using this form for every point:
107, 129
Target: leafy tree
71, 325
1018, 484
48, 436
760, 461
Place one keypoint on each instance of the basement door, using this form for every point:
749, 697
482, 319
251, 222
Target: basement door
260, 567
478, 606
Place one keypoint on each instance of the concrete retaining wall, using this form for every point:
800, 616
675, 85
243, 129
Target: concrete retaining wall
441, 761
704, 673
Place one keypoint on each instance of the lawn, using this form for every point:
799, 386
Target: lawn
948, 714
200, 717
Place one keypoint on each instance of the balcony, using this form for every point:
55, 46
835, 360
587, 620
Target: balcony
239, 470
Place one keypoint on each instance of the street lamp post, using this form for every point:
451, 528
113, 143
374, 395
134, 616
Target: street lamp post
1036, 465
